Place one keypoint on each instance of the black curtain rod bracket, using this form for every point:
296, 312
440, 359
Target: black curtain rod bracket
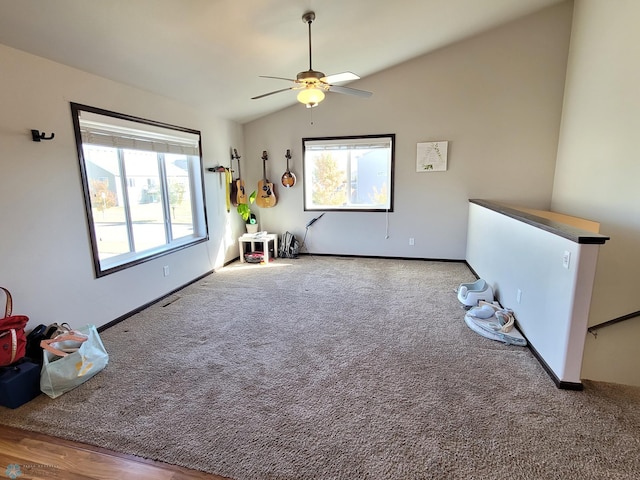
37, 136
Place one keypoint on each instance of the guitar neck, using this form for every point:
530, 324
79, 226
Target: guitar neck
264, 166
237, 157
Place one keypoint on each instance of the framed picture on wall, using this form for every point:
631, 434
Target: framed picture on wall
432, 157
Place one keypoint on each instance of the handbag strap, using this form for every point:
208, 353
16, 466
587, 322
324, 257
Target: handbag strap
9, 307
72, 335
55, 329
14, 342
14, 345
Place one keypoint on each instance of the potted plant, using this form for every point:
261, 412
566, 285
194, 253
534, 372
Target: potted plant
244, 210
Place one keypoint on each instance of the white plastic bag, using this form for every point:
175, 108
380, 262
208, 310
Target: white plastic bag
63, 371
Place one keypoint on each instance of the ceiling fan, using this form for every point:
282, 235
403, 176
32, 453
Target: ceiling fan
312, 84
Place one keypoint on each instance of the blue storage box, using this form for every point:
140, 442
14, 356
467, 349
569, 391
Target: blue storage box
19, 383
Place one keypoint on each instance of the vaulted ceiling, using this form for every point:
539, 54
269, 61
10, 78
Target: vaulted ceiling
210, 53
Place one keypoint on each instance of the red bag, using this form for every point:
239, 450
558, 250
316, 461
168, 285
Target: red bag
13, 340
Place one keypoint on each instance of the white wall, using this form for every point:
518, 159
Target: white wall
496, 97
597, 172
46, 259
553, 307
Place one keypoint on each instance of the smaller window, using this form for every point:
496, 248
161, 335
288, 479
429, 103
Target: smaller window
349, 173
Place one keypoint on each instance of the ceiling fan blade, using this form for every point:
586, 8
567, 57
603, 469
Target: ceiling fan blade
278, 78
341, 77
349, 91
271, 93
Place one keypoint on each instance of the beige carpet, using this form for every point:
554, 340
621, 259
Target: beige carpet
338, 368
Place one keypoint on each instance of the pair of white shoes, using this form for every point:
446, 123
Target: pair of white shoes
504, 316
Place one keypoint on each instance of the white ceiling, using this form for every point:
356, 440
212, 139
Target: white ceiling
211, 52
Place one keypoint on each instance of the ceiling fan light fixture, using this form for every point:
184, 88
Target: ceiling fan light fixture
310, 96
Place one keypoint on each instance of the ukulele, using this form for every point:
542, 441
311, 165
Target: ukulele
266, 195
238, 185
288, 178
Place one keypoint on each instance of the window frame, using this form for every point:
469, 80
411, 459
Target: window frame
196, 181
349, 139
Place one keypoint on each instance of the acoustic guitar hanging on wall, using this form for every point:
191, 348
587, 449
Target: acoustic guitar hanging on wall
238, 193
266, 194
288, 178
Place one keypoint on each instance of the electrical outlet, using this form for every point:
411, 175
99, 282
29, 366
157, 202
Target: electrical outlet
165, 270
519, 296
411, 241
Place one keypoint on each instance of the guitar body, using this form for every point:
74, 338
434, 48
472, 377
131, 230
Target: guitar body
241, 193
233, 194
238, 193
288, 178
266, 197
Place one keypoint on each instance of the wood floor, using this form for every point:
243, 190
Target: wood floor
36, 456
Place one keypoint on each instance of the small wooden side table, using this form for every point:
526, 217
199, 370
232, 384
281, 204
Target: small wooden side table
263, 238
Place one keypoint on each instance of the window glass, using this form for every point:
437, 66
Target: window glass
143, 187
106, 200
349, 173
145, 199
181, 207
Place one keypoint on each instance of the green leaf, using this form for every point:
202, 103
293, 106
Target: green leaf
243, 208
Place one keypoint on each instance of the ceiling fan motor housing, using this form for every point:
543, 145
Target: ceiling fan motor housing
310, 77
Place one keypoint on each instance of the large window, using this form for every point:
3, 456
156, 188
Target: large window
349, 173
143, 187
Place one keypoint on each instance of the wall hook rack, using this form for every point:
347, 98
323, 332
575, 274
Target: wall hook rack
37, 136
219, 169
